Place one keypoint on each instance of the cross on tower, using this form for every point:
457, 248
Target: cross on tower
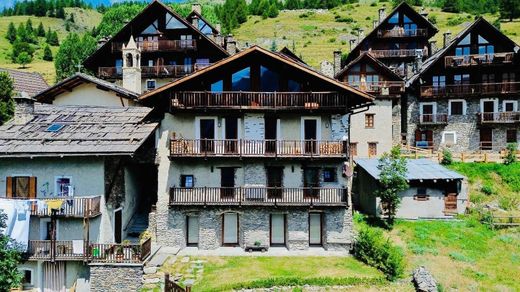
79, 67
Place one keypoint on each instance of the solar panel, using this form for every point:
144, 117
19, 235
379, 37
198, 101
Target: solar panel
54, 128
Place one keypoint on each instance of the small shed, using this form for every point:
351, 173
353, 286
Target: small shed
434, 191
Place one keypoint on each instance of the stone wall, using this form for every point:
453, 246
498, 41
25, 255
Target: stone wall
115, 278
254, 225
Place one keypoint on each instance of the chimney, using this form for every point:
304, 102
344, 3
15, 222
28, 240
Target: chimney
218, 27
375, 23
409, 70
197, 8
446, 39
423, 12
337, 62
361, 35
231, 45
102, 41
418, 63
327, 69
433, 46
195, 21
352, 44
382, 14
24, 109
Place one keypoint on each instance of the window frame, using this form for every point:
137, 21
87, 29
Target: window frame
514, 102
333, 172
375, 147
370, 120
148, 88
507, 136
56, 185
443, 137
23, 270
183, 181
464, 107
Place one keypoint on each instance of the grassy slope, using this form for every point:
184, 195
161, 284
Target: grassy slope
84, 21
317, 36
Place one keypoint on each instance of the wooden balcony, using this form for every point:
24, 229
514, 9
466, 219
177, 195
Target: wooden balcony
256, 148
498, 118
433, 119
76, 207
399, 33
294, 101
473, 89
63, 250
479, 59
383, 88
160, 46
166, 71
402, 53
259, 196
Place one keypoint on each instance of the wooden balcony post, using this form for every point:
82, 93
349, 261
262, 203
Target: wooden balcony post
205, 195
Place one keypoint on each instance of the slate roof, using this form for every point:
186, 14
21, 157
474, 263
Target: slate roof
80, 78
418, 169
28, 82
81, 130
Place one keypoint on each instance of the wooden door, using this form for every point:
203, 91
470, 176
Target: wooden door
271, 134
207, 135
310, 128
192, 230
486, 138
277, 231
274, 182
231, 137
227, 181
488, 107
311, 181
118, 225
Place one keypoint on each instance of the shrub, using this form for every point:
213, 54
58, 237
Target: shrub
433, 18
510, 154
346, 19
509, 201
455, 21
373, 249
447, 157
488, 189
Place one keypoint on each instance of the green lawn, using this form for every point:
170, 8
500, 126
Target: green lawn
228, 273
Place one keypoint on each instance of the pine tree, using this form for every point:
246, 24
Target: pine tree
274, 47
29, 27
273, 11
47, 53
292, 4
60, 12
6, 112
11, 33
72, 51
509, 9
40, 31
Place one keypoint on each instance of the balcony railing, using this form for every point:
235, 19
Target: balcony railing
256, 148
454, 90
259, 196
160, 46
397, 53
433, 119
79, 207
381, 88
53, 250
259, 100
153, 71
498, 117
479, 59
392, 33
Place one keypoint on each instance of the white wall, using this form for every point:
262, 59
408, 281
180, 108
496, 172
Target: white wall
88, 94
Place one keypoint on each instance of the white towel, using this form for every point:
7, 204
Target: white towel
77, 246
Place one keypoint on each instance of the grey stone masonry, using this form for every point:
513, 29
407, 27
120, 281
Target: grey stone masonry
254, 225
115, 278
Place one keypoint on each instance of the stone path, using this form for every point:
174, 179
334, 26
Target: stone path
153, 277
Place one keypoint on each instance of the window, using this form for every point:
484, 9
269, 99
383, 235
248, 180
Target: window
21, 187
293, 86
173, 23
449, 138
186, 41
269, 80
329, 174
187, 181
315, 228
510, 106
27, 277
353, 80
150, 84
511, 136
394, 19
457, 107
372, 149
508, 77
461, 79
421, 195
241, 80
150, 63
217, 86
369, 120
488, 78
439, 81
353, 149
152, 28
63, 186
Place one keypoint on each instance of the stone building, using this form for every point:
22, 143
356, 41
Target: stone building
251, 152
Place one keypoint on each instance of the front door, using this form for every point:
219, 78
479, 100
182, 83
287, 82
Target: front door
488, 107
310, 128
311, 181
118, 225
207, 135
424, 138
450, 200
227, 182
274, 182
486, 139
270, 134
277, 229
315, 226
193, 230
230, 229
231, 137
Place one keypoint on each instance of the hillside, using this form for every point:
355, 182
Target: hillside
84, 21
316, 33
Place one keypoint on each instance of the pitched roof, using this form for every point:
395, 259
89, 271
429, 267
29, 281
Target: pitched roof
28, 82
79, 78
195, 13
417, 169
77, 131
278, 56
428, 63
374, 61
403, 5
159, 4
291, 55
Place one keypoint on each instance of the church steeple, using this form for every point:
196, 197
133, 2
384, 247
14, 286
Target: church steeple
132, 66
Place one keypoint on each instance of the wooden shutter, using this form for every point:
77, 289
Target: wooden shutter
9, 187
417, 135
32, 187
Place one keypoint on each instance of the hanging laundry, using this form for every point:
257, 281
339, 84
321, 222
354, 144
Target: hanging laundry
9, 208
18, 220
42, 206
77, 246
54, 204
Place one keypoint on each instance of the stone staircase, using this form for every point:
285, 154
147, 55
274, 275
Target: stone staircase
138, 225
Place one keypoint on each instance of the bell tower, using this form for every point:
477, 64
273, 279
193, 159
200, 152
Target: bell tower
132, 66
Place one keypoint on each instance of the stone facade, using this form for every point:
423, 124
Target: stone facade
254, 225
115, 278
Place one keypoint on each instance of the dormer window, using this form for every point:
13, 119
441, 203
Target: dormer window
394, 19
152, 28
173, 23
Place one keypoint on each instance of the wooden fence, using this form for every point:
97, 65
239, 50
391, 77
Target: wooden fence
171, 286
505, 221
482, 156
